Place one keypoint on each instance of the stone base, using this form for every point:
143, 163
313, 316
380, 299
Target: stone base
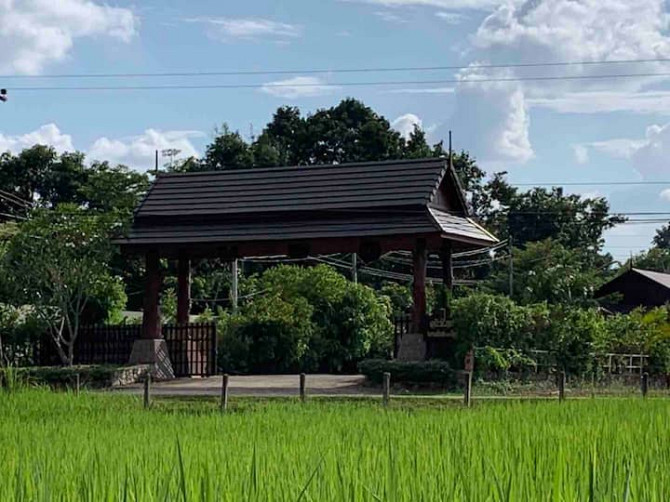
412, 347
155, 353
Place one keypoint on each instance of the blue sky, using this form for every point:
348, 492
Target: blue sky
549, 131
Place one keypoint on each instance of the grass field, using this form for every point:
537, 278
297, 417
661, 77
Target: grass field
98, 447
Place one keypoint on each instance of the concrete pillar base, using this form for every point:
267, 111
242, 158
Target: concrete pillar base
155, 353
412, 347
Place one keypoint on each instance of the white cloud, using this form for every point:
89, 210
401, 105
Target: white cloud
581, 154
227, 29
390, 17
405, 124
426, 90
48, 134
139, 151
638, 102
576, 30
492, 119
298, 87
665, 195
495, 115
440, 4
451, 17
35, 33
135, 151
649, 155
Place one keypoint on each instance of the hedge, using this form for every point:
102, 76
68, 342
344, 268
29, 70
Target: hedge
405, 372
59, 377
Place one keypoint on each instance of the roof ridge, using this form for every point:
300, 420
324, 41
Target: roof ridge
302, 167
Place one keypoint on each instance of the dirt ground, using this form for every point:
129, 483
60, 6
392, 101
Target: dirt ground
258, 385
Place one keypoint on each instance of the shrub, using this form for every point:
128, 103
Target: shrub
57, 376
310, 319
405, 372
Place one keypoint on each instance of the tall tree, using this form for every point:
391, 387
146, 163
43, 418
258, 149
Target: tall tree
58, 264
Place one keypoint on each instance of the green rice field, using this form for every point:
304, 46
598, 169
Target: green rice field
106, 447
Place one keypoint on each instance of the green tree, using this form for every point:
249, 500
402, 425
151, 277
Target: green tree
228, 151
662, 237
656, 259
548, 271
58, 264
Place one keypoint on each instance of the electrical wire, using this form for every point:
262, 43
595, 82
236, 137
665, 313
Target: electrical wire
196, 73
380, 83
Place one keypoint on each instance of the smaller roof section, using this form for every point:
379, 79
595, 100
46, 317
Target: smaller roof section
639, 287
369, 200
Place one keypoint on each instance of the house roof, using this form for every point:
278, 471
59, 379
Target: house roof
301, 188
658, 277
615, 284
373, 199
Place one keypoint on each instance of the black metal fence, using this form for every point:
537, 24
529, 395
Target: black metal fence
192, 347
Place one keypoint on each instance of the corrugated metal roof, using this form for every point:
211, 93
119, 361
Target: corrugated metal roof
282, 189
460, 227
659, 277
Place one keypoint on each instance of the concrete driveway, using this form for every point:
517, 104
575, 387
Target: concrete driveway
258, 385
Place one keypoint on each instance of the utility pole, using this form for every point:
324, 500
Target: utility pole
510, 248
233, 289
354, 268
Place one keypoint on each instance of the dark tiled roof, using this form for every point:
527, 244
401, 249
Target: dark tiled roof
281, 189
292, 203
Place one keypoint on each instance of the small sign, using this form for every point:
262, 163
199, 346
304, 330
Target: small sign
441, 328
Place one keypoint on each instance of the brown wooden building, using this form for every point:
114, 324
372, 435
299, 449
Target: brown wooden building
637, 288
365, 208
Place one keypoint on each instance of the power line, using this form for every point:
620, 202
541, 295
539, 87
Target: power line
380, 83
592, 183
222, 73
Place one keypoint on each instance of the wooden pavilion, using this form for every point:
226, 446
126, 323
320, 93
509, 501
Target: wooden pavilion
365, 208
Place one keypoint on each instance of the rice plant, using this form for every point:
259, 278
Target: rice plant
105, 447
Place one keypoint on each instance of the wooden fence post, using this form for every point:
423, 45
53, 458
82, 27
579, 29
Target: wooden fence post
386, 396
303, 393
468, 388
76, 383
561, 386
224, 393
147, 390
644, 384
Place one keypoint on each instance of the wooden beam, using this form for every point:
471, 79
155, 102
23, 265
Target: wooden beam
447, 276
183, 288
151, 319
420, 258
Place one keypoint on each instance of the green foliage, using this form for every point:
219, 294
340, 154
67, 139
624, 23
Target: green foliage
507, 335
58, 264
656, 259
548, 271
19, 330
404, 372
347, 132
95, 377
305, 318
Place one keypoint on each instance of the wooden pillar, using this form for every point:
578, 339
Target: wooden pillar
447, 275
183, 288
419, 286
151, 319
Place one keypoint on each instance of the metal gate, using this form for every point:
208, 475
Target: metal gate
192, 348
